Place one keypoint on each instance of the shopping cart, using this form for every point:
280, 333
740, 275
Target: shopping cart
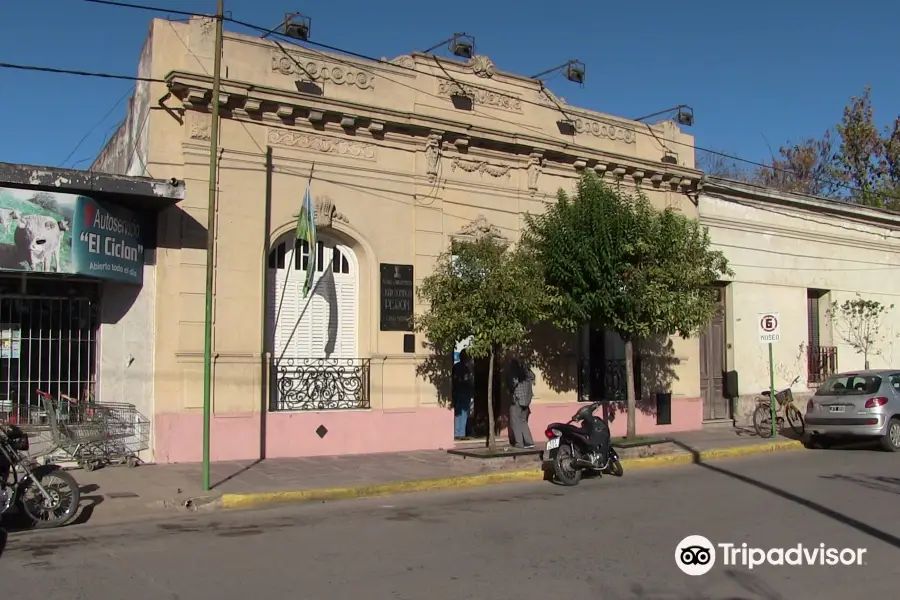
93, 435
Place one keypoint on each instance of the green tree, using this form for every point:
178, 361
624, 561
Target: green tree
854, 160
805, 167
860, 324
612, 260
485, 290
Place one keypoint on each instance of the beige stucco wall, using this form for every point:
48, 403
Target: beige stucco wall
397, 203
777, 252
127, 340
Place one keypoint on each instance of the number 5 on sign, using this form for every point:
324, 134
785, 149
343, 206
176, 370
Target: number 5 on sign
769, 327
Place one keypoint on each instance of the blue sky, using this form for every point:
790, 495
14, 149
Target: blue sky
753, 72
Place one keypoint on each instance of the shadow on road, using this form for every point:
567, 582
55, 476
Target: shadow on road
814, 506
891, 485
3, 537
88, 504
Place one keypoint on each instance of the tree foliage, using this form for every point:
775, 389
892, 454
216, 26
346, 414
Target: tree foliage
855, 160
612, 260
860, 324
804, 168
487, 291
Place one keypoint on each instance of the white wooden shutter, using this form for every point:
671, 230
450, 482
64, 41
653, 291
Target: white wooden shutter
304, 325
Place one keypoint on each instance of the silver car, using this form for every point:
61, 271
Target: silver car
856, 404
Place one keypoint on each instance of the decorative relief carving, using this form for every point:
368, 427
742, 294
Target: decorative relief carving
480, 96
319, 143
480, 228
548, 99
535, 168
405, 61
482, 66
200, 126
433, 155
480, 166
605, 130
341, 75
327, 213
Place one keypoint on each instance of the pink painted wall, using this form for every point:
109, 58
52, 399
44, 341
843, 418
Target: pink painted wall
288, 435
179, 437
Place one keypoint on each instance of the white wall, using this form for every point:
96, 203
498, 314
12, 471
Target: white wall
127, 341
777, 252
126, 153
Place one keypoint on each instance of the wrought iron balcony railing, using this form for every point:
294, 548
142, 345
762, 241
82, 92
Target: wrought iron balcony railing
821, 361
320, 384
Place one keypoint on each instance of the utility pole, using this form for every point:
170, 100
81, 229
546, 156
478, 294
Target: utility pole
211, 241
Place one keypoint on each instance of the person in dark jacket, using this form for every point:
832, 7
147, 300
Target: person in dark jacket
463, 387
521, 384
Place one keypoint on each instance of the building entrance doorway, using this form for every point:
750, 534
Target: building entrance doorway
712, 365
48, 342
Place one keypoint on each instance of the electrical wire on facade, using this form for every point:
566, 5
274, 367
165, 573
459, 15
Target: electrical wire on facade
55, 71
95, 127
344, 51
448, 78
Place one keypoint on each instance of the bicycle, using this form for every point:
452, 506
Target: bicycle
785, 411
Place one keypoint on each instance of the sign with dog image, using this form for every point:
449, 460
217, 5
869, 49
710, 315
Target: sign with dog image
52, 232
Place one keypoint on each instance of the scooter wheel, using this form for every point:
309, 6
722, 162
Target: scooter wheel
564, 470
615, 468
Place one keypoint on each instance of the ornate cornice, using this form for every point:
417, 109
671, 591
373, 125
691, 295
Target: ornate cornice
194, 91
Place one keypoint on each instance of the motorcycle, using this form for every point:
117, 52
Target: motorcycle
46, 494
573, 449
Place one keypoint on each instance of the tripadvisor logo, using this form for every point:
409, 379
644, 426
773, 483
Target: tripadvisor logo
696, 555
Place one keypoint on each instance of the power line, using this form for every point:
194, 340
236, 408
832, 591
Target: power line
94, 128
339, 50
638, 131
793, 255
4, 65
150, 8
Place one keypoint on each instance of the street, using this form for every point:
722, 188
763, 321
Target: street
608, 538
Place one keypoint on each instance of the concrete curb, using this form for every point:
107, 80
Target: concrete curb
251, 500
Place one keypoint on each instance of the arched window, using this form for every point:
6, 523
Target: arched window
324, 323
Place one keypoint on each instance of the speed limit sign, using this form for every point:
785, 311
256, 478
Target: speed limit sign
769, 327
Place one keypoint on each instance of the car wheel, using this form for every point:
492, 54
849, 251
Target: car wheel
891, 439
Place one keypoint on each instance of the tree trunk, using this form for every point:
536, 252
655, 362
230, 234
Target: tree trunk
491, 438
629, 388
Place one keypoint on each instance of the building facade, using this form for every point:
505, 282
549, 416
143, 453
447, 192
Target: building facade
795, 255
402, 156
78, 293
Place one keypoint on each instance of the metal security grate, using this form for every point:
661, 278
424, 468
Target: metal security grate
47, 344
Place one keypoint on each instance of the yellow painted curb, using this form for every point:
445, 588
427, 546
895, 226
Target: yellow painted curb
234, 501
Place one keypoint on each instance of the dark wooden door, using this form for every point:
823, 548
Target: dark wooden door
712, 366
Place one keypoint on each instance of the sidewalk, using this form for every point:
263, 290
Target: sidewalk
118, 493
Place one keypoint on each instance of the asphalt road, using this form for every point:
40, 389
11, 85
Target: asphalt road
605, 539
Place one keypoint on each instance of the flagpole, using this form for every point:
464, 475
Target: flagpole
211, 242
312, 235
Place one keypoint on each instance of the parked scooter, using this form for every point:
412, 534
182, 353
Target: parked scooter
573, 449
47, 495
